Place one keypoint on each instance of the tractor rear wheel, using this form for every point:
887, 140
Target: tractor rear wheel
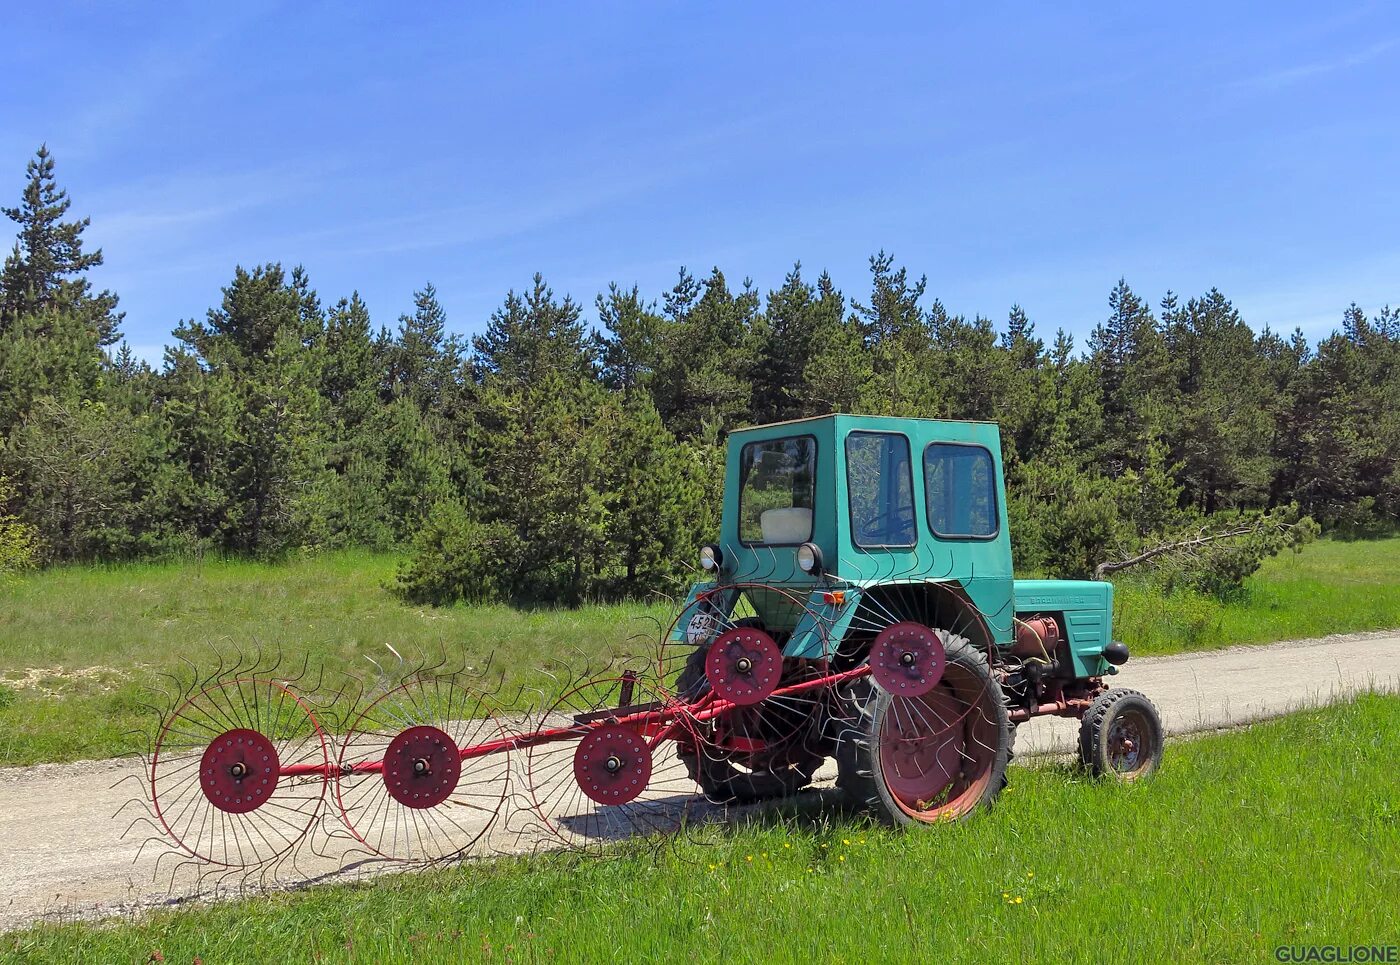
1121, 736
727, 776
935, 757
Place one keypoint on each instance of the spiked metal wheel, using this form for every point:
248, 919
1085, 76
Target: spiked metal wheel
747, 752
594, 774
424, 770
238, 772
755, 722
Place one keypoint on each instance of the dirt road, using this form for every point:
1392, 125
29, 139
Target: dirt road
64, 854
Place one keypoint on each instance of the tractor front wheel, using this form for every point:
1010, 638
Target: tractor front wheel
1121, 736
934, 757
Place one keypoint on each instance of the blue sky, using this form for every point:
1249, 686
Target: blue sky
1027, 154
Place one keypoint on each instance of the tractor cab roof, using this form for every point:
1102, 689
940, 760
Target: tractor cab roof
892, 420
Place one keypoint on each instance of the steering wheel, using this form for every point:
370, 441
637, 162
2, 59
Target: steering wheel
894, 521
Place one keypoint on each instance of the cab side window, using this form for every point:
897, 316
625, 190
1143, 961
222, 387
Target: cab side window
880, 485
960, 489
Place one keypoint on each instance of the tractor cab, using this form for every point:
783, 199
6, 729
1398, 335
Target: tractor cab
862, 498
825, 516
860, 604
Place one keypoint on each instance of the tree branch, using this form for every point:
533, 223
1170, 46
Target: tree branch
1103, 569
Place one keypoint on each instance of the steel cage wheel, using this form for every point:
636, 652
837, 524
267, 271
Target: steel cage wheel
217, 782
606, 727
432, 796
787, 727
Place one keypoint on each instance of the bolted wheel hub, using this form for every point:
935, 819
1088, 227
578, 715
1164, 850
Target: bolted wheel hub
238, 772
421, 767
1124, 739
612, 764
743, 666
907, 659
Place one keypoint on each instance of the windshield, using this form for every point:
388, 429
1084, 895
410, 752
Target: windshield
776, 484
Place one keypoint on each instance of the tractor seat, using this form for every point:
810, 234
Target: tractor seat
792, 525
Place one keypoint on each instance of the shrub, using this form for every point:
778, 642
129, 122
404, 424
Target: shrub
456, 559
19, 542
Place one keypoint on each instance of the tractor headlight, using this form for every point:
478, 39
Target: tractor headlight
809, 558
711, 559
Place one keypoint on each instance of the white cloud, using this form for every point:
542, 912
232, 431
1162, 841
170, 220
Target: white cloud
1274, 80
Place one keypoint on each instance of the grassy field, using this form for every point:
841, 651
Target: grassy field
1284, 834
80, 646
1332, 586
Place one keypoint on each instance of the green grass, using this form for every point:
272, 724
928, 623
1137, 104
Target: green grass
80, 646
1284, 834
1332, 586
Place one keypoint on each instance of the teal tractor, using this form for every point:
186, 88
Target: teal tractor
860, 605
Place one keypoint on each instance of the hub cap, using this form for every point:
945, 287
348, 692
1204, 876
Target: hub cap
1127, 743
421, 767
743, 666
907, 659
238, 772
612, 764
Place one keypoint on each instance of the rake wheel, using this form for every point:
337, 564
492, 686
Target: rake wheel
584, 754
930, 758
218, 780
753, 752
423, 772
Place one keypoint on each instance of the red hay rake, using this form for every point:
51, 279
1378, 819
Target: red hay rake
255, 771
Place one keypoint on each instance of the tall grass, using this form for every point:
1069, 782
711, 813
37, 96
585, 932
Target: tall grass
1286, 834
81, 647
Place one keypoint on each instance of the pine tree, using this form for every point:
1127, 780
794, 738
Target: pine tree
899, 337
43, 275
260, 356
541, 446
1223, 433
785, 345
533, 335
631, 349
425, 358
707, 368
1129, 356
838, 374
351, 374
650, 503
